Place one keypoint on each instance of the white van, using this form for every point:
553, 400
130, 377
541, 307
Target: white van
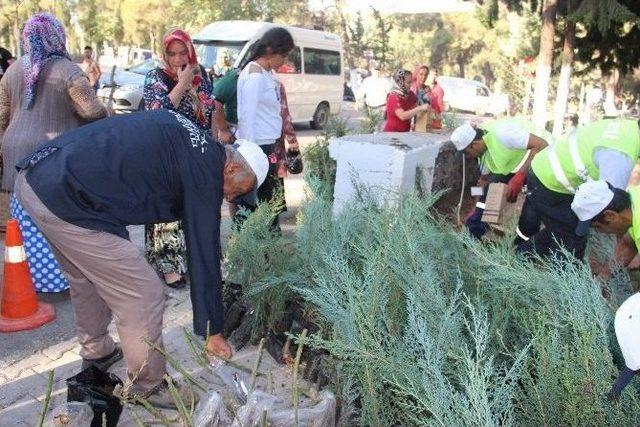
312, 76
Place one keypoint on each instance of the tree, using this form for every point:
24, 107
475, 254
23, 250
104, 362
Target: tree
545, 60
380, 41
564, 80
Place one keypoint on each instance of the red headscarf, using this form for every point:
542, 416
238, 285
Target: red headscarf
180, 35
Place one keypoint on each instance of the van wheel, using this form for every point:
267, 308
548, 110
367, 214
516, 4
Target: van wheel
320, 117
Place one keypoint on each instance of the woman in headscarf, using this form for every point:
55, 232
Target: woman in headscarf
181, 85
402, 103
223, 63
420, 86
42, 95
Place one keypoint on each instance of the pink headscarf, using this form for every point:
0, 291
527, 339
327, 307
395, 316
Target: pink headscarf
416, 71
180, 35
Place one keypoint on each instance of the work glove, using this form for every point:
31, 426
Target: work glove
515, 186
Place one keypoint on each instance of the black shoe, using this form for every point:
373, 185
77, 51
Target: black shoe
105, 362
178, 284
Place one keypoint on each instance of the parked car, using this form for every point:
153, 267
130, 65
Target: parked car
473, 96
312, 75
129, 83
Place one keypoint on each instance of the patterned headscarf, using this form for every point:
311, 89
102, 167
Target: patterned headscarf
400, 87
181, 36
43, 40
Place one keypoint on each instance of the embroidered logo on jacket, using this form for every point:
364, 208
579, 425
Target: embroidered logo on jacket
196, 135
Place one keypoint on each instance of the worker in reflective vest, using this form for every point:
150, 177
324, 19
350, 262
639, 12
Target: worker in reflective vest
614, 211
606, 150
505, 149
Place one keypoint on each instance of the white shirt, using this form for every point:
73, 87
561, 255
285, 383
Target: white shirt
512, 136
259, 118
374, 91
615, 167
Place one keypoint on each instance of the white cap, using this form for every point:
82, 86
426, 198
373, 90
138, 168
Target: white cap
591, 199
627, 326
462, 136
255, 157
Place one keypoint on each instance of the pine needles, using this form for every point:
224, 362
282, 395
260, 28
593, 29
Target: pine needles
430, 327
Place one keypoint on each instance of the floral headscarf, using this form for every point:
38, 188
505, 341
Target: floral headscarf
400, 87
43, 40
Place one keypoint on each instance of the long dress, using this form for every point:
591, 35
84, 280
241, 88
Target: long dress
165, 243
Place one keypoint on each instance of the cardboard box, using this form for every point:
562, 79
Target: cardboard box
497, 209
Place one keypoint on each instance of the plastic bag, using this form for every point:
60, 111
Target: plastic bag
322, 414
73, 414
211, 412
250, 414
95, 387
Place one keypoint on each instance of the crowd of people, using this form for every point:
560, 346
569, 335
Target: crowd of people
78, 176
410, 101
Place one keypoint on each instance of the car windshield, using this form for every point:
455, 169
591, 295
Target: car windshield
208, 51
145, 66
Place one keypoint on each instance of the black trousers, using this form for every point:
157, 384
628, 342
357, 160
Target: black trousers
267, 191
474, 224
553, 210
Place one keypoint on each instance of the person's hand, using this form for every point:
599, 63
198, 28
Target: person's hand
185, 76
218, 346
424, 107
225, 136
515, 186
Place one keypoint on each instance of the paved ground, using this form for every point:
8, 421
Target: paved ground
26, 357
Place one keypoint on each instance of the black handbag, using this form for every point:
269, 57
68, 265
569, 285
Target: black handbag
293, 160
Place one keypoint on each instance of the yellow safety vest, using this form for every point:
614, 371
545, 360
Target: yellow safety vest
566, 164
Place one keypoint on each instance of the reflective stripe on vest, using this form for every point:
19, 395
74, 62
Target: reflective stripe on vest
500, 159
568, 163
558, 172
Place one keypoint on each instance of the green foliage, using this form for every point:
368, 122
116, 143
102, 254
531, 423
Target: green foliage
319, 167
371, 120
431, 327
260, 259
380, 39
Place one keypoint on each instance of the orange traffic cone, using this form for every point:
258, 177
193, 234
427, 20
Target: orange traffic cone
20, 309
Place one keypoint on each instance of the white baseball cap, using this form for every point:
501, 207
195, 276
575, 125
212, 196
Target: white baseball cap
255, 157
591, 199
462, 136
627, 325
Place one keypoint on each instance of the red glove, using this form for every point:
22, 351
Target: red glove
515, 186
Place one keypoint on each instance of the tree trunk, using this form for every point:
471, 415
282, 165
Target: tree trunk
564, 82
345, 36
545, 59
16, 36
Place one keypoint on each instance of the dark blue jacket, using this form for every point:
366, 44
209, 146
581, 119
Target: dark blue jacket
142, 168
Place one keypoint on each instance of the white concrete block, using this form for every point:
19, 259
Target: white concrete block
385, 164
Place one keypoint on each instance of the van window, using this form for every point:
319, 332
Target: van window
208, 51
292, 65
481, 91
319, 61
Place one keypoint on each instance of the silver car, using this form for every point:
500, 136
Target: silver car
128, 87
